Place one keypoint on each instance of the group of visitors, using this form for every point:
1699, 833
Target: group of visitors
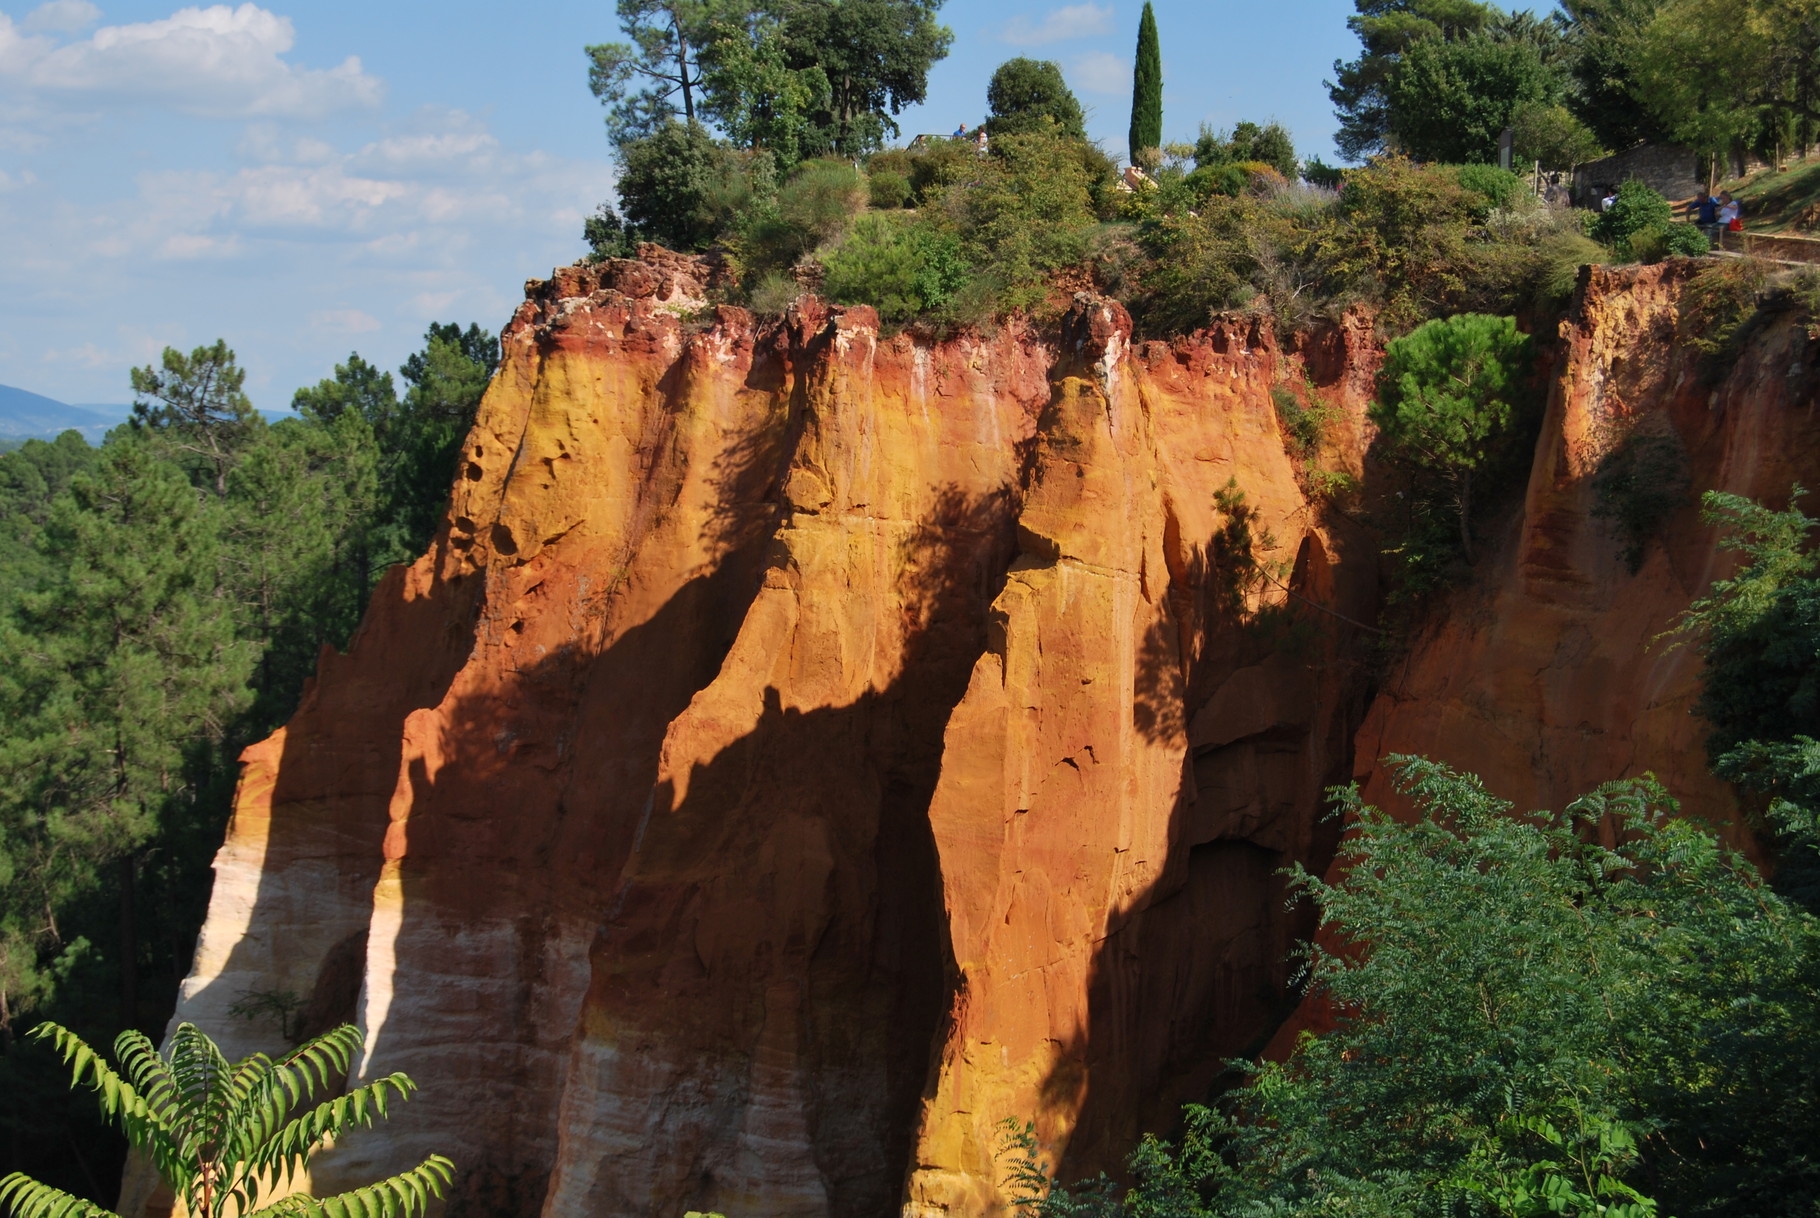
1711, 214
1714, 216
980, 140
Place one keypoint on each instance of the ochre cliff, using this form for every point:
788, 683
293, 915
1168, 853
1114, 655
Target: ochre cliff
803, 749
1551, 672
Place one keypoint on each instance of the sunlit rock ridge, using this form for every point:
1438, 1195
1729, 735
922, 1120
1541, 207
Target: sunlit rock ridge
804, 748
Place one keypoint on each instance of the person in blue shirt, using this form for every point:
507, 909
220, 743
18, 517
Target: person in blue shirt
1704, 212
960, 132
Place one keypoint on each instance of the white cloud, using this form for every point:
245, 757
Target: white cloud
1059, 25
61, 17
16, 181
215, 62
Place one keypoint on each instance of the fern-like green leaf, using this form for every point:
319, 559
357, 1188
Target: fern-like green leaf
406, 1195
221, 1133
25, 1197
119, 1100
293, 1143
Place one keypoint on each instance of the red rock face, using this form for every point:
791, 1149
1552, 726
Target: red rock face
803, 749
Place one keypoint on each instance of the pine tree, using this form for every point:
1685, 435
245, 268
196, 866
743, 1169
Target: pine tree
195, 404
1146, 90
123, 676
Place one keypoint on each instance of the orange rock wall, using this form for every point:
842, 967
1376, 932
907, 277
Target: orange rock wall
1550, 673
803, 749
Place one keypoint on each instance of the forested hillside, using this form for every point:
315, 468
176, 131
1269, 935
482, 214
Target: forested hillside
163, 598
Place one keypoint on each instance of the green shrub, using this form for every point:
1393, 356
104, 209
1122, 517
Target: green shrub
888, 189
773, 293
1685, 240
940, 164
820, 199
1305, 421
811, 209
1559, 258
1528, 1021
1661, 241
1637, 209
1317, 172
1199, 265
606, 235
1223, 179
682, 187
1639, 484
1405, 235
1029, 211
1494, 188
1718, 302
1448, 394
902, 268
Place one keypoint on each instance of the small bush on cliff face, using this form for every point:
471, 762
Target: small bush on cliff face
1529, 1022
1639, 484
1717, 304
1305, 420
1448, 395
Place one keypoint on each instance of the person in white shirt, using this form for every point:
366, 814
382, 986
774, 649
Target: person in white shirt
1729, 211
1611, 196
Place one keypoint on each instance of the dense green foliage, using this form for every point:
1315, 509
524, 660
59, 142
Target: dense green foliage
1247, 142
163, 598
1600, 1010
1387, 29
790, 78
1447, 394
224, 1136
1146, 90
1759, 632
1440, 79
1604, 70
1449, 101
679, 186
1723, 77
1031, 95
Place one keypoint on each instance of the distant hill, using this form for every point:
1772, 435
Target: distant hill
25, 415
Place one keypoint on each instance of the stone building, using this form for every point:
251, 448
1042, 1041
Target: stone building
1673, 171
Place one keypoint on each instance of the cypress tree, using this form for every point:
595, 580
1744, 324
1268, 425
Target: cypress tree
1146, 89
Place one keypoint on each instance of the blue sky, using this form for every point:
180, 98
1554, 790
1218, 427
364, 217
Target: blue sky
303, 179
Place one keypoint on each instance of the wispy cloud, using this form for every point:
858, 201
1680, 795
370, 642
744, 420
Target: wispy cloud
1058, 25
215, 62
